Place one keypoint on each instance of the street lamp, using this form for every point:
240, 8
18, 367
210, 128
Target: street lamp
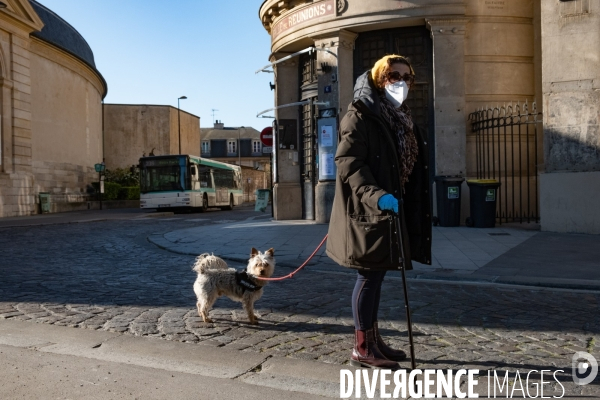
240, 155
179, 122
240, 145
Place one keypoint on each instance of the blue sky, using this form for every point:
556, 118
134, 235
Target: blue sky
152, 52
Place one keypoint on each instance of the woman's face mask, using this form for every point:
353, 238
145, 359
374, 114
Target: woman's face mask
396, 92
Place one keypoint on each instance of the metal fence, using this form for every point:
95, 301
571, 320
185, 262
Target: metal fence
506, 141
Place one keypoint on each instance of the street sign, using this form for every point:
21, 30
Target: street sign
267, 149
266, 136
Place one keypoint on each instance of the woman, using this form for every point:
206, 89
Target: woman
382, 171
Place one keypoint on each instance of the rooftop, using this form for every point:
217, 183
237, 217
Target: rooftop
220, 131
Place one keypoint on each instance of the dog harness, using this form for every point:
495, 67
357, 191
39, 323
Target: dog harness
242, 279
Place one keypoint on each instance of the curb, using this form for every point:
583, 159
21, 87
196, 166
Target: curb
55, 223
204, 359
156, 215
541, 282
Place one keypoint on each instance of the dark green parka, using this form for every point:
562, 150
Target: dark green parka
360, 235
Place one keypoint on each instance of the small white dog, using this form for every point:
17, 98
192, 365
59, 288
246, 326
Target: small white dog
216, 279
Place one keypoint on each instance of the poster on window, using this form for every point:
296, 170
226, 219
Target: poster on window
327, 135
327, 165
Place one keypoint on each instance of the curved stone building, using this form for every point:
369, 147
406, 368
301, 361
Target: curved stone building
467, 54
51, 115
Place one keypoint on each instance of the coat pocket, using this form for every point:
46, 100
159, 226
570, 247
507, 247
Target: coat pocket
369, 238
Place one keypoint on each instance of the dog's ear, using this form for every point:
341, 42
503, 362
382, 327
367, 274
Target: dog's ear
270, 252
253, 252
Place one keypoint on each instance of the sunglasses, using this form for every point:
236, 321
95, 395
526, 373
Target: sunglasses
395, 76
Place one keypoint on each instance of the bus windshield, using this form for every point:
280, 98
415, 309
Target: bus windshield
163, 175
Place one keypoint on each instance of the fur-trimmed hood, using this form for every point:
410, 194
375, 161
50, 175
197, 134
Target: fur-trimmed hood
366, 95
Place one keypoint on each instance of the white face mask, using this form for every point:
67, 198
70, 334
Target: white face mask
396, 92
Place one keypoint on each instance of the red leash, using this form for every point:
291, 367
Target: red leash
291, 275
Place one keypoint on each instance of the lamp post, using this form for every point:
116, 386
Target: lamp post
240, 146
240, 155
179, 122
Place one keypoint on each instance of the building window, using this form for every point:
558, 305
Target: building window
205, 147
231, 146
256, 146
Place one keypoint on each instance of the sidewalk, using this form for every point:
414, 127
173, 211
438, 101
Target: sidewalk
509, 254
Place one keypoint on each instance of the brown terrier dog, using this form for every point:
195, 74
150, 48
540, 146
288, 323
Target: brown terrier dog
216, 279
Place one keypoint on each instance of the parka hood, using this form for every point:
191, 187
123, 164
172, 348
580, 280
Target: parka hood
366, 97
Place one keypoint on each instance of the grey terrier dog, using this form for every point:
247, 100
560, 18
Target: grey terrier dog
216, 279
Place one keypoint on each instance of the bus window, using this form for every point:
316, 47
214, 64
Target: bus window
155, 179
224, 179
204, 177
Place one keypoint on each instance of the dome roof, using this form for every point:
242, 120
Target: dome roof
60, 33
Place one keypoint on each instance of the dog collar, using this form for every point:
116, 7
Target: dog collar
242, 279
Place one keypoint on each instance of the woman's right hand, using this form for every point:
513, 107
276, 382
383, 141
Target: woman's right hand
388, 202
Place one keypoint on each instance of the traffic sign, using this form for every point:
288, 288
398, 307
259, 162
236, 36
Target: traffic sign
266, 136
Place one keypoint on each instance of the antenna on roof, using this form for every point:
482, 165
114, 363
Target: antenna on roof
213, 115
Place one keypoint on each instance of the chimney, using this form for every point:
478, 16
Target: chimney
219, 124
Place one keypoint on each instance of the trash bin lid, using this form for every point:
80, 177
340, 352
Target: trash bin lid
449, 178
483, 182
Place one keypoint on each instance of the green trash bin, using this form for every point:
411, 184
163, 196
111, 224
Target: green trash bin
262, 199
448, 200
45, 202
484, 193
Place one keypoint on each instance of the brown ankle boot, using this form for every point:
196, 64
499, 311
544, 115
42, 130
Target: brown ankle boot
387, 351
366, 353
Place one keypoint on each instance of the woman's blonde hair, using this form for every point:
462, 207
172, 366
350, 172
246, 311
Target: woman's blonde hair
382, 67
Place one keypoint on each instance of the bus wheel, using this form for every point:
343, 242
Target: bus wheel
204, 206
230, 206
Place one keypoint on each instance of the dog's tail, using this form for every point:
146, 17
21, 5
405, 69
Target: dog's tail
207, 261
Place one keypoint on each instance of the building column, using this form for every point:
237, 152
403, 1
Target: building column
287, 193
448, 36
336, 87
6, 127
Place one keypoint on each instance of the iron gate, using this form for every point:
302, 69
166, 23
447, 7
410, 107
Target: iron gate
506, 141
308, 91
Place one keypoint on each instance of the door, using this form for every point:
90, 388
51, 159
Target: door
414, 43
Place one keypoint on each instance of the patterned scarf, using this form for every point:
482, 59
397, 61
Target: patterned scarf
400, 121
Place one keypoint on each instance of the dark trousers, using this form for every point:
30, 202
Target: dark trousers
365, 298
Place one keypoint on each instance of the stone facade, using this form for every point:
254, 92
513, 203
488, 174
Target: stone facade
469, 55
570, 186
51, 95
134, 130
477, 53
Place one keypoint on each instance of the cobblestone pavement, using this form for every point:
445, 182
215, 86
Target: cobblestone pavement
106, 276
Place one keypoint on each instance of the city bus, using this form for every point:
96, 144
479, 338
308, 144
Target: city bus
180, 182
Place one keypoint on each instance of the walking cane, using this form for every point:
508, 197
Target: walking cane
406, 306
